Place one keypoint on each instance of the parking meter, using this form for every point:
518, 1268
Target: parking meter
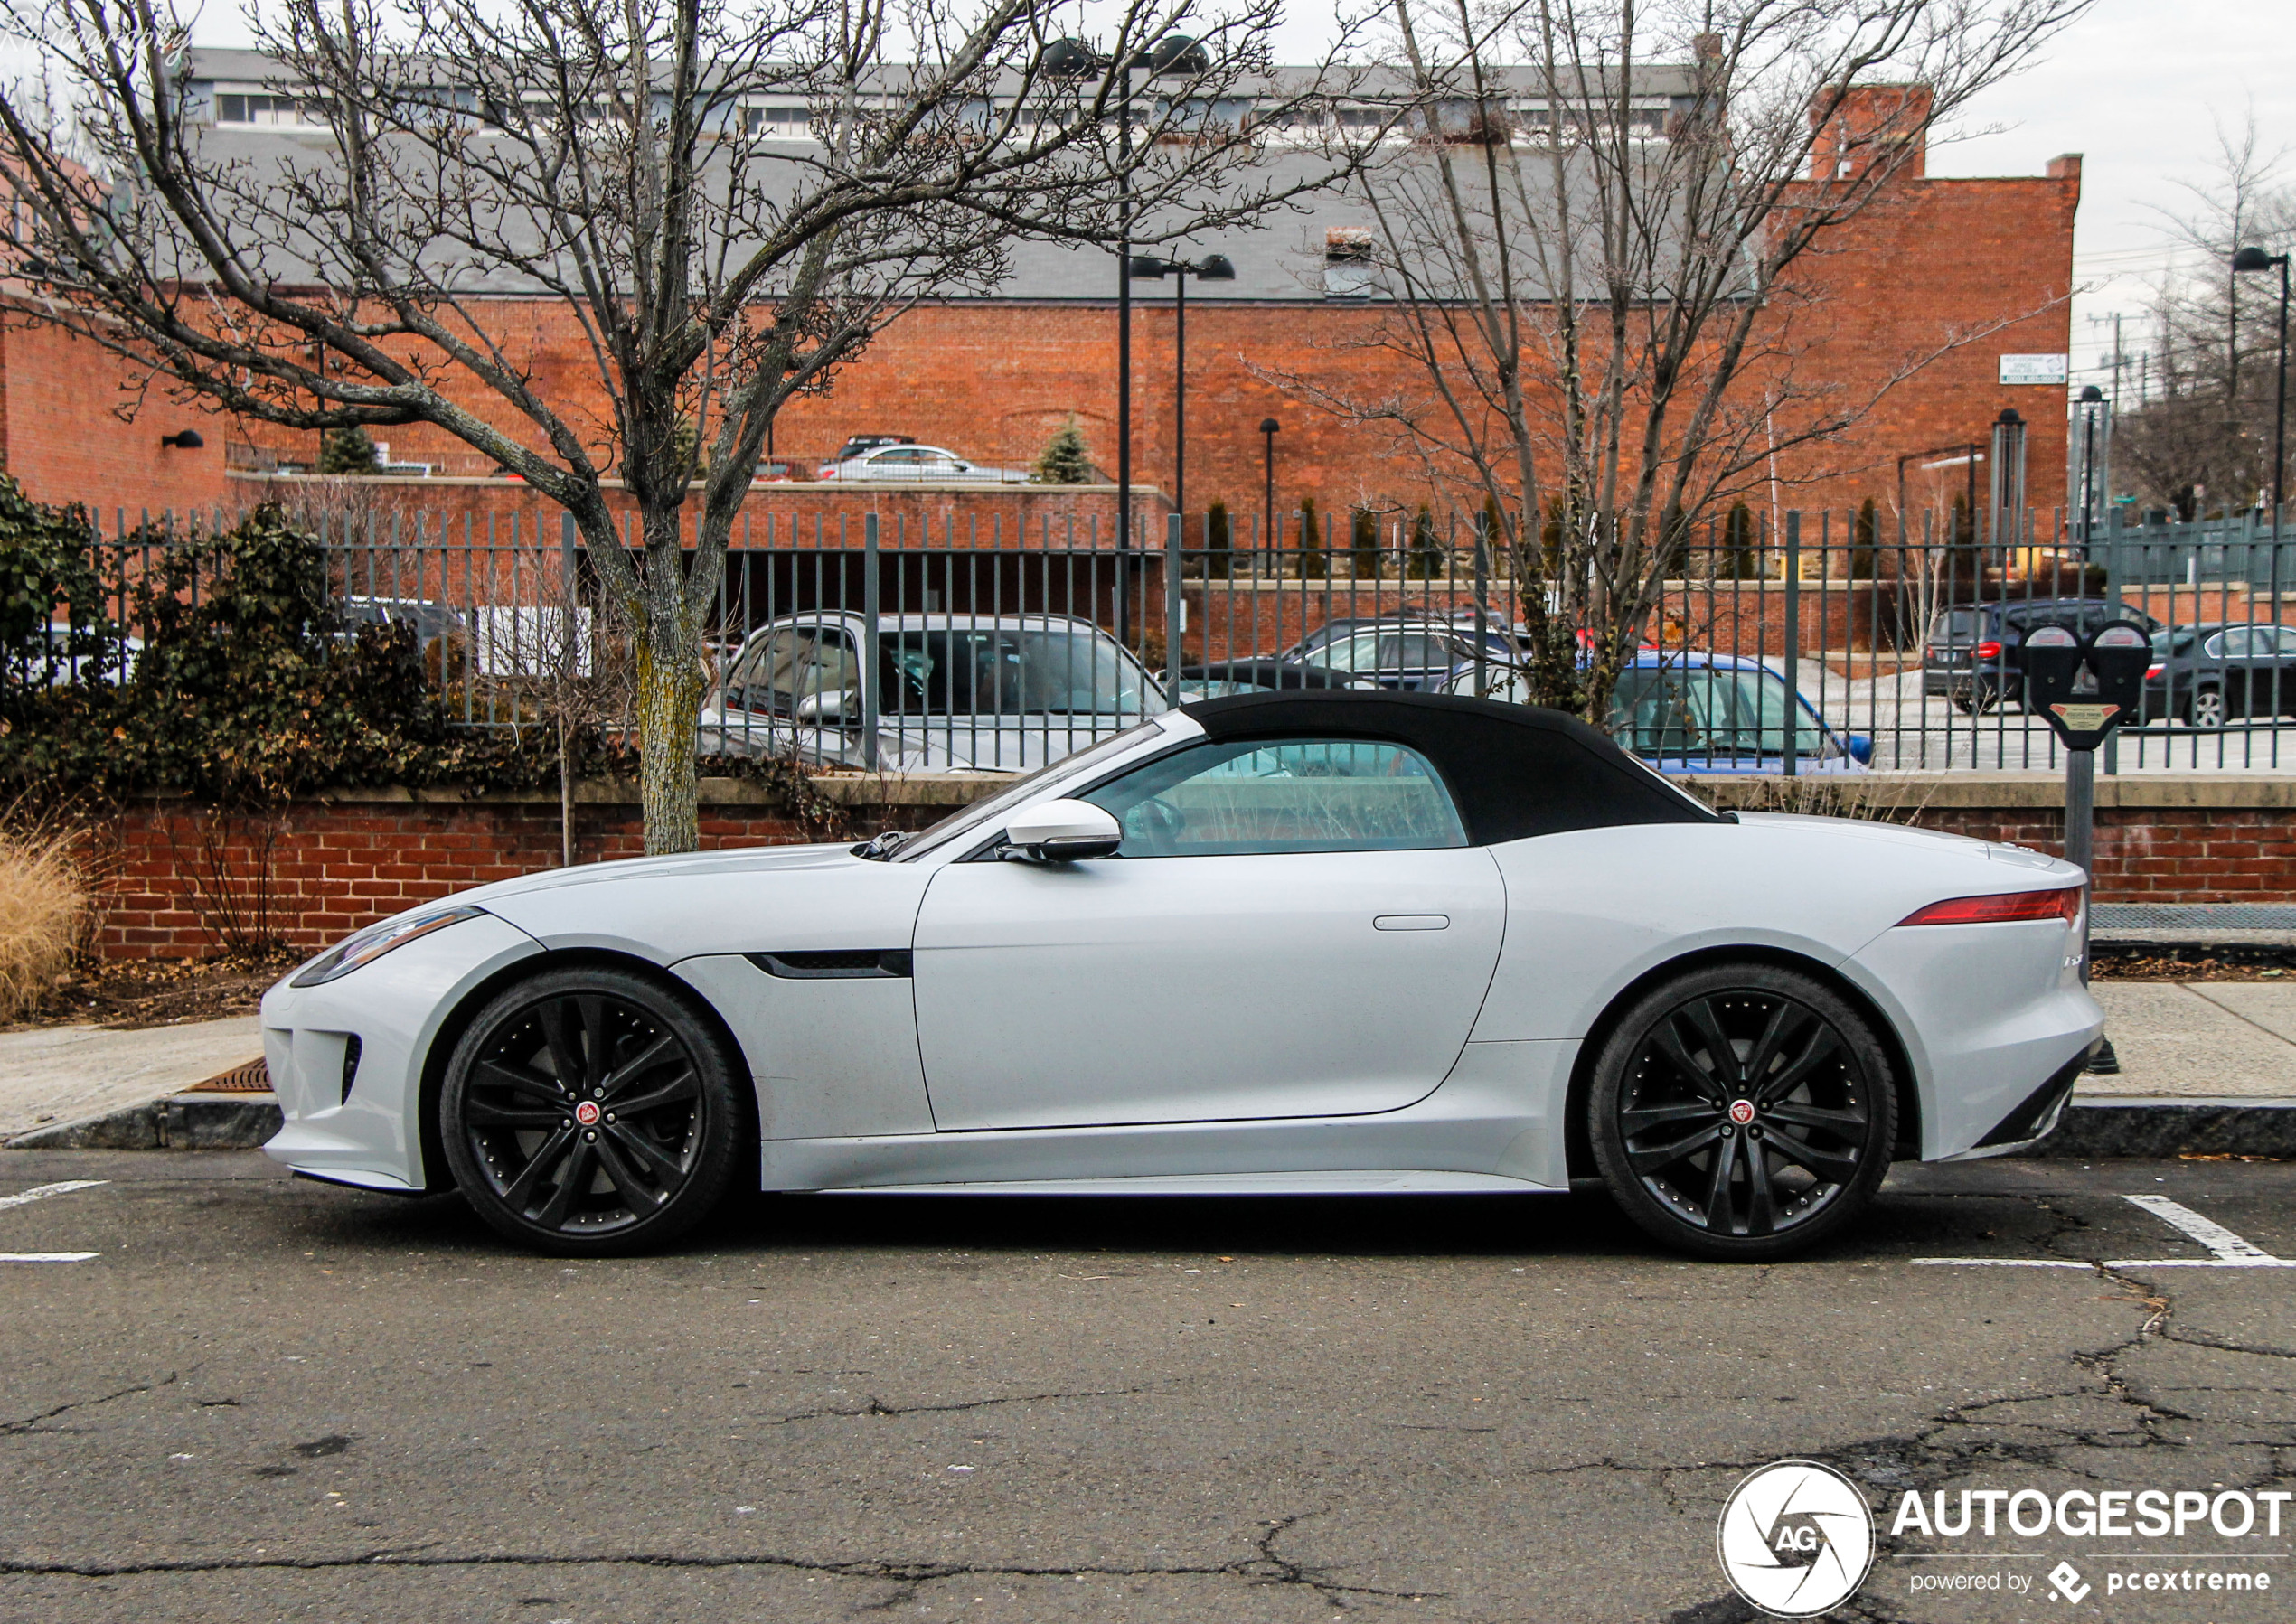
2085, 688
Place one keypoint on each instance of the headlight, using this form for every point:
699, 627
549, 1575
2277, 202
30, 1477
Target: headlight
376, 940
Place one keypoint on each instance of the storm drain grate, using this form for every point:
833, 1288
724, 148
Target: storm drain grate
2193, 917
254, 1077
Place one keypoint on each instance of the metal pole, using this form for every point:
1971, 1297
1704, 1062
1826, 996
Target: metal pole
872, 642
2080, 810
1482, 593
2280, 407
1123, 348
1792, 717
1267, 467
1175, 605
1180, 391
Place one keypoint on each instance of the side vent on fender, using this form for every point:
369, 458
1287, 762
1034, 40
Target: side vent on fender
351, 1051
842, 965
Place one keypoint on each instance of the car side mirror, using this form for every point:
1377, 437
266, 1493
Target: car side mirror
1862, 748
1061, 832
823, 706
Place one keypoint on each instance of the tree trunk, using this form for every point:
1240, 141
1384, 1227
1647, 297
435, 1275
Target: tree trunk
670, 689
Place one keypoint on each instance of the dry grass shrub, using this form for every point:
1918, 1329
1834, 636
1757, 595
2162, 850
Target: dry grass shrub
1871, 797
47, 903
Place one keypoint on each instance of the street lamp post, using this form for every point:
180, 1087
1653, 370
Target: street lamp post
2092, 403
1267, 428
1211, 268
2256, 259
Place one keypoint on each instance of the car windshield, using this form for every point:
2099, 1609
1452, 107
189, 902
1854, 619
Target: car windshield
986, 813
1004, 670
1706, 711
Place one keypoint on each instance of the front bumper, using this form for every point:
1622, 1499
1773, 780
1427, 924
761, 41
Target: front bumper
354, 1115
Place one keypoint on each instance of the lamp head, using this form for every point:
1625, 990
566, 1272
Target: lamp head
189, 440
2008, 416
1215, 268
2091, 395
1145, 268
1269, 425
1175, 53
2253, 258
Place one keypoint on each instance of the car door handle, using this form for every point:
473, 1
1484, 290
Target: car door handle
1412, 922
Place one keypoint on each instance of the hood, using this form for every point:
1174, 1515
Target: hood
732, 860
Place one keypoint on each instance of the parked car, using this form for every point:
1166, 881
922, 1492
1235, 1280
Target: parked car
1975, 655
921, 463
1403, 652
1222, 677
1300, 942
857, 444
994, 692
1694, 711
2217, 672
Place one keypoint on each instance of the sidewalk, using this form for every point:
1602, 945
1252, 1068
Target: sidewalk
2198, 1040
62, 1076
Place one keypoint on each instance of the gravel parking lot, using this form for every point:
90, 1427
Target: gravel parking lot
263, 1399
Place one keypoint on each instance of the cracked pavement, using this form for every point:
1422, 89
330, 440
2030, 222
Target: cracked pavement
269, 1399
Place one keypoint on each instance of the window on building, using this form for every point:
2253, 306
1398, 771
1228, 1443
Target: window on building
1350, 269
778, 122
268, 110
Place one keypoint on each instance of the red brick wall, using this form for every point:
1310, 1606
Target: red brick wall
334, 868
1938, 268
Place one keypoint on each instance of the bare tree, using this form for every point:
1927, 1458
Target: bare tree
627, 165
2201, 435
1589, 263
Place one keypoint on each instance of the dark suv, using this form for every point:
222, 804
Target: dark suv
1975, 656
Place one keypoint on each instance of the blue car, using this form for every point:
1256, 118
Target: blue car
1687, 710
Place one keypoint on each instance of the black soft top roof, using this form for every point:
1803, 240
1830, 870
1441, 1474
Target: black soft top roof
1515, 771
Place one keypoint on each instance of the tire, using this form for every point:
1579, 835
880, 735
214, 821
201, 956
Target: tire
2206, 708
576, 1176
1665, 1118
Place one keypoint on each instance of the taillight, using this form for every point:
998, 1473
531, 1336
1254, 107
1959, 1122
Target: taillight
1989, 650
2064, 902
2152, 673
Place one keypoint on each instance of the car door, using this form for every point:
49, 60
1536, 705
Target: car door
1289, 929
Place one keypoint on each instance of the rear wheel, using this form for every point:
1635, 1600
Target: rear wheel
1742, 1112
2206, 708
591, 1110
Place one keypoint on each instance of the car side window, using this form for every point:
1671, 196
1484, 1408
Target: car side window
2286, 638
2230, 643
808, 672
1296, 795
1358, 653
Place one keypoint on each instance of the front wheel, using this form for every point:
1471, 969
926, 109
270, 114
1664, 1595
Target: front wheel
591, 1110
1742, 1112
2206, 708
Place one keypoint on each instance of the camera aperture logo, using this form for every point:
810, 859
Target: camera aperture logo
1796, 1538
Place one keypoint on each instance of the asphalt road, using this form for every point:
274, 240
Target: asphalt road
265, 1399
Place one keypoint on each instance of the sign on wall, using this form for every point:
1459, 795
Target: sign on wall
2034, 369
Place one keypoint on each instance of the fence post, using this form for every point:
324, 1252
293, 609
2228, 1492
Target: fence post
2112, 603
1175, 605
1482, 603
1792, 718
872, 642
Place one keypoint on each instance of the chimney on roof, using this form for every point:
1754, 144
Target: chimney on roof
1869, 125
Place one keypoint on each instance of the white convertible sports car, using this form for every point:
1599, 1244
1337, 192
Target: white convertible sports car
1300, 942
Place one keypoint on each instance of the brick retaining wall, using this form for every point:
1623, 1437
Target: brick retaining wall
184, 878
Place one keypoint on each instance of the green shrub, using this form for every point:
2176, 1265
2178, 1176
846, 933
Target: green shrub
1064, 460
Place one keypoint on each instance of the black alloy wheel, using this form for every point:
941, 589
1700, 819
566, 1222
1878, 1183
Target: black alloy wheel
591, 1110
1743, 1111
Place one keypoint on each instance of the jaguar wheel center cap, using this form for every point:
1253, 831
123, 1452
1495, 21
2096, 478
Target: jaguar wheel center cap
1741, 1111
587, 1113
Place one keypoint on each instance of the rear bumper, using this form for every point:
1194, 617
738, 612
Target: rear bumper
2036, 1116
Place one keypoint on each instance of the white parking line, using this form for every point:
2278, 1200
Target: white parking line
2230, 1251
42, 1191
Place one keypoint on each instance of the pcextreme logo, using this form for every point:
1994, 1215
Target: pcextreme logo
1796, 1538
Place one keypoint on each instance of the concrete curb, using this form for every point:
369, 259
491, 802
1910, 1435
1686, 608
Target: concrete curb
2155, 1127
183, 1121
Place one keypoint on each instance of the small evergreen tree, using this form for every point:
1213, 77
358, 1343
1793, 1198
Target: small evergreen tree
1429, 557
1218, 542
348, 450
1065, 461
1363, 543
1314, 565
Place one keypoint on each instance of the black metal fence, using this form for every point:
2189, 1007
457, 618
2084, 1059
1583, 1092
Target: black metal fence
1812, 642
